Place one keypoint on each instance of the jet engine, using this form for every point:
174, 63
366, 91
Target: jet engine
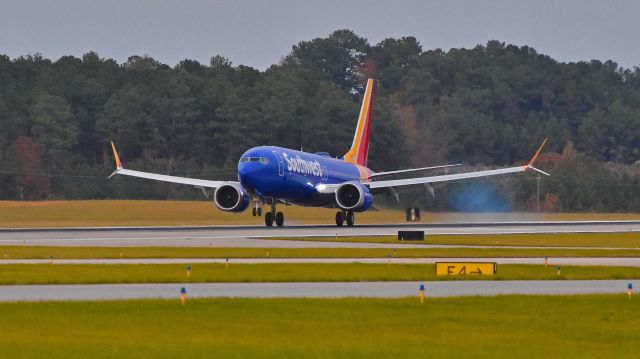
231, 197
354, 196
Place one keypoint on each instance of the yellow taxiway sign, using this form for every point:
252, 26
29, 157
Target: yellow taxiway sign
466, 268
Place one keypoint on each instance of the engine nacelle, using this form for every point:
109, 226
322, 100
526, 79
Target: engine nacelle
354, 196
231, 198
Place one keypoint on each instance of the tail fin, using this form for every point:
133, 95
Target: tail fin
360, 146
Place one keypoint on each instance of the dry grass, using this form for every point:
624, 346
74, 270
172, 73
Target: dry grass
155, 213
170, 213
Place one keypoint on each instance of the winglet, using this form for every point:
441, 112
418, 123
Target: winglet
117, 158
529, 166
535, 157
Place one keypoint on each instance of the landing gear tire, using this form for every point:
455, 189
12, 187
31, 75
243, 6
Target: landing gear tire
260, 212
339, 219
254, 212
351, 219
268, 219
279, 219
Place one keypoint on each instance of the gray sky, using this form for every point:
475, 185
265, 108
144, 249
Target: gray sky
258, 33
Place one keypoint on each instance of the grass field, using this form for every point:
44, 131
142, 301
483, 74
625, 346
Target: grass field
611, 240
282, 272
592, 326
167, 213
154, 213
45, 252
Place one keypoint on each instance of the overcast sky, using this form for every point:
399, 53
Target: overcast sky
258, 33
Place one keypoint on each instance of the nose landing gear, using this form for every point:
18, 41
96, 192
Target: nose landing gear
257, 208
257, 212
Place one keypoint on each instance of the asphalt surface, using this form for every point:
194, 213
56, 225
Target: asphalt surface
311, 290
250, 236
591, 261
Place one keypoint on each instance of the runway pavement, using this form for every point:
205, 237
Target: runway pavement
591, 261
250, 236
315, 290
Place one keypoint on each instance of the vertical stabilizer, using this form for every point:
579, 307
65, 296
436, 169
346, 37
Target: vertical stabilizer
360, 146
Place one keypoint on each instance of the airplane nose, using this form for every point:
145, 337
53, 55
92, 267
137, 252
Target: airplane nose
246, 169
253, 166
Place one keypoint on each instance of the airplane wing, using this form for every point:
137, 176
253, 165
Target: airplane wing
378, 174
330, 188
457, 176
443, 178
200, 183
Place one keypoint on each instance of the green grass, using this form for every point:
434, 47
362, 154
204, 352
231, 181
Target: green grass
299, 272
611, 240
590, 326
45, 252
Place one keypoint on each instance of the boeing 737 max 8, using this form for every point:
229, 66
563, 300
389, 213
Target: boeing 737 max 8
269, 175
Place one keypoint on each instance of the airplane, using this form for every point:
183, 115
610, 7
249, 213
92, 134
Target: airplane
270, 175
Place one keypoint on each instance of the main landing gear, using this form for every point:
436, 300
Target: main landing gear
345, 215
272, 216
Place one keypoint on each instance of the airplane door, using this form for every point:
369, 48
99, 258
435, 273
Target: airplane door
325, 175
280, 163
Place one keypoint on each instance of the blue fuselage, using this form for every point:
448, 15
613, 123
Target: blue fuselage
292, 176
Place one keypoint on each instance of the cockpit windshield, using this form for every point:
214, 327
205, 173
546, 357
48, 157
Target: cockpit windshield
262, 160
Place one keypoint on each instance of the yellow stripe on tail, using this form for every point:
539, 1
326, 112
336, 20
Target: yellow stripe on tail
358, 152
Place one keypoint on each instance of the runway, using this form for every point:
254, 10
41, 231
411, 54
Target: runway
258, 237
586, 261
250, 236
310, 290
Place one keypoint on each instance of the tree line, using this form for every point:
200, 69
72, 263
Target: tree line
486, 106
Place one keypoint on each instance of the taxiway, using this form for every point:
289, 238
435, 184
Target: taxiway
14, 293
